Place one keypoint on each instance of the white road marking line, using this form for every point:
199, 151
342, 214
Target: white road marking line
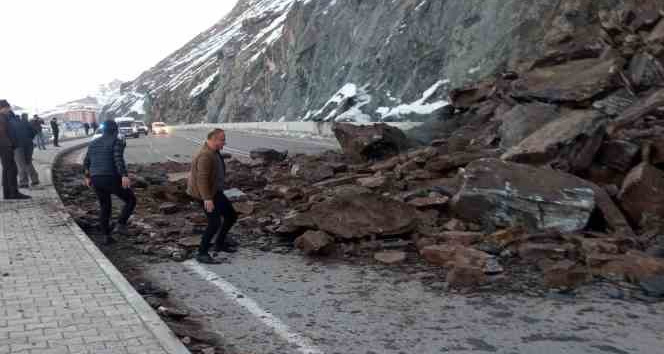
303, 343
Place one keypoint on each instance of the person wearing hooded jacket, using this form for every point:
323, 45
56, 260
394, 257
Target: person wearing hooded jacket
106, 172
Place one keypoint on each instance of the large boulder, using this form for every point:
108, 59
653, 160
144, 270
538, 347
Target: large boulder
358, 215
500, 194
370, 142
568, 143
574, 81
268, 155
523, 120
642, 194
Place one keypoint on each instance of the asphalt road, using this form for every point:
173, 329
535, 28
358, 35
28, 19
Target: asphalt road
269, 302
182, 144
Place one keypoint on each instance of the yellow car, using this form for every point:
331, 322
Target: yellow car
159, 128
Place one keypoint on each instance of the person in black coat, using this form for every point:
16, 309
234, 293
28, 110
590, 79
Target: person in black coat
55, 129
106, 172
7, 146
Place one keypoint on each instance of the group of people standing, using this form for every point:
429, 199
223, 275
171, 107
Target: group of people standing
106, 173
18, 137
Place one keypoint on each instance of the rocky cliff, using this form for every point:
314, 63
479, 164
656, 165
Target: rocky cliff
362, 60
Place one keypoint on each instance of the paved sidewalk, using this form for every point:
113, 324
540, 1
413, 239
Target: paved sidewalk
58, 293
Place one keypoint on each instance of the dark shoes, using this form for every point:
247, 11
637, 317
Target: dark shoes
206, 259
225, 248
18, 196
229, 241
108, 240
121, 229
34, 183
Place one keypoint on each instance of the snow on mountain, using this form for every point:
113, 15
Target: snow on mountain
336, 60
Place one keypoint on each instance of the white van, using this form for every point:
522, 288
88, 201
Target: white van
127, 127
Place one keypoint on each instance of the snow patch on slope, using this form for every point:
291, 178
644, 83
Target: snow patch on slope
418, 107
344, 106
203, 85
138, 106
191, 65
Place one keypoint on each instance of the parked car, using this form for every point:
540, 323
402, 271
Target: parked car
142, 127
128, 127
159, 128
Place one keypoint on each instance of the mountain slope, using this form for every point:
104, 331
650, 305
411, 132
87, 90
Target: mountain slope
271, 60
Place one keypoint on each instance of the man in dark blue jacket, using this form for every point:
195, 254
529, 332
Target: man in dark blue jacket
7, 145
106, 173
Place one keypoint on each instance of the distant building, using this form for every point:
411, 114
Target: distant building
82, 114
83, 110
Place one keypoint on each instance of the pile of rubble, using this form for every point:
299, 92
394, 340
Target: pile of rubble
558, 168
559, 165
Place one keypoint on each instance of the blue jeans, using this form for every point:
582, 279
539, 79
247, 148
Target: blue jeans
40, 141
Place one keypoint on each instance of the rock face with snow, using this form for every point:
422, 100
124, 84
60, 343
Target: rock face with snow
344, 60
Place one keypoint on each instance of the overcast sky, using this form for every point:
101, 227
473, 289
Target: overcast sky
54, 51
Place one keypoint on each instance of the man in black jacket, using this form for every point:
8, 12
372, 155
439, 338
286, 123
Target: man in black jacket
106, 173
7, 146
55, 129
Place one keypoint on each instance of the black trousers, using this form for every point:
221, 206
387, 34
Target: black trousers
104, 187
9, 172
56, 138
222, 207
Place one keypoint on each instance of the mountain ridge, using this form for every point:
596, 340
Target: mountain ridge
347, 60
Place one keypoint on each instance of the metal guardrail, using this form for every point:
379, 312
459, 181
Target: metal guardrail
323, 129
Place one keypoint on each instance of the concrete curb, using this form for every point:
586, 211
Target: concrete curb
151, 320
